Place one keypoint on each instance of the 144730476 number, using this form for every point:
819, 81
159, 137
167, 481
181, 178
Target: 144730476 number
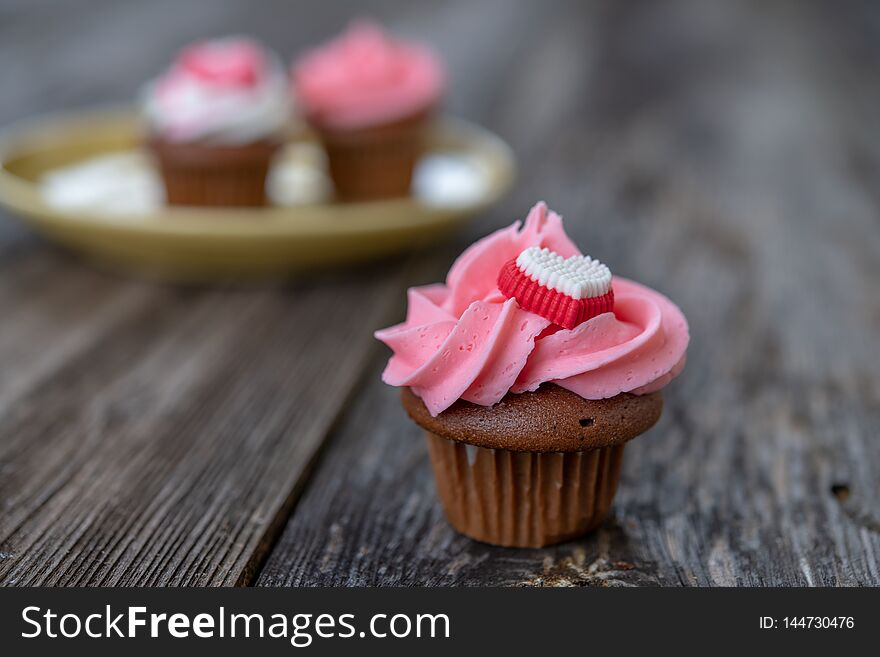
818, 622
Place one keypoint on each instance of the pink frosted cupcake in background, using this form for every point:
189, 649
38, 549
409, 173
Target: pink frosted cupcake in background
369, 96
215, 118
529, 370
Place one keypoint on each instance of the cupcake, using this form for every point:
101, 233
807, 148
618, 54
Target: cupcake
214, 121
369, 97
529, 370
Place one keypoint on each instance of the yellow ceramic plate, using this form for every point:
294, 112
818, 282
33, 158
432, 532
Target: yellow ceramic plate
207, 243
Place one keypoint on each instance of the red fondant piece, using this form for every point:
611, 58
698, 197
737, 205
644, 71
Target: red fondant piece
551, 304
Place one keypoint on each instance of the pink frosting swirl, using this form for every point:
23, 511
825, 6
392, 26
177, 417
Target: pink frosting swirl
365, 77
465, 340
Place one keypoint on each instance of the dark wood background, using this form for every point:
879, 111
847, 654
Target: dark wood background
727, 153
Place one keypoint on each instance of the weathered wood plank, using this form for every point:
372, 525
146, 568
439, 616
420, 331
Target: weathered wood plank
166, 452
718, 155
159, 435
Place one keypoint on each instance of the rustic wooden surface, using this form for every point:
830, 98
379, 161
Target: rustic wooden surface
725, 153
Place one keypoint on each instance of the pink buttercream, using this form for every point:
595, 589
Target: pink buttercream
224, 63
465, 340
365, 77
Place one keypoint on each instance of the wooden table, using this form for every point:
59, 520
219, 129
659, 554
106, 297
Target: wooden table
726, 153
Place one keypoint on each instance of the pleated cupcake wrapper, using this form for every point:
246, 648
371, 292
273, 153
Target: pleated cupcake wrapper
215, 186
375, 163
223, 178
523, 499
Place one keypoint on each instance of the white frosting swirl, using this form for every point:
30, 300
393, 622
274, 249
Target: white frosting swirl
248, 100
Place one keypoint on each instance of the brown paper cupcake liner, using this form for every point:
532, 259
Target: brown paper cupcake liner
377, 162
216, 176
523, 499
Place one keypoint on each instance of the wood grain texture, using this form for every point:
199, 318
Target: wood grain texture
725, 153
165, 450
729, 157
154, 434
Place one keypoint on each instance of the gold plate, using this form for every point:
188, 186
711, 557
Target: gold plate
210, 243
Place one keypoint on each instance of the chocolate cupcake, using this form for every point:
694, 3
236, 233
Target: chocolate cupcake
215, 119
370, 98
529, 371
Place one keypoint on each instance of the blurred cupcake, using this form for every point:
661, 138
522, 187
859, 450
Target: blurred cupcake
369, 96
215, 119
